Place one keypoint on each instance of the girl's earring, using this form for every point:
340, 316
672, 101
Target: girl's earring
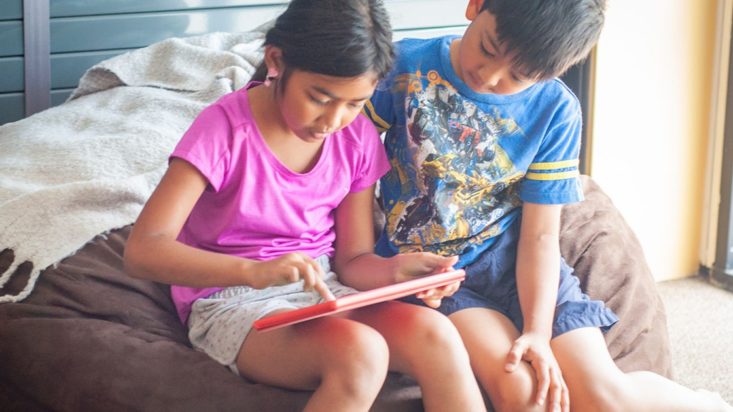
271, 75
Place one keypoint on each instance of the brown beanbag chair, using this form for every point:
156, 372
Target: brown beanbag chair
90, 338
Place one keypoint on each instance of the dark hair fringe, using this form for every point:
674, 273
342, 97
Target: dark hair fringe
548, 36
343, 38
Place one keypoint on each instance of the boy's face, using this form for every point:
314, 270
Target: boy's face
482, 62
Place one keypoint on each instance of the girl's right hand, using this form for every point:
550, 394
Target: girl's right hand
290, 268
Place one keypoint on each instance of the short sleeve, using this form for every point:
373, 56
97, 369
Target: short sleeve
553, 176
373, 163
379, 108
207, 145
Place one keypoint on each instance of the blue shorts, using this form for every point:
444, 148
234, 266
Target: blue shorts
491, 283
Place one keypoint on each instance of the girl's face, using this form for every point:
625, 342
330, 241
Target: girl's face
314, 105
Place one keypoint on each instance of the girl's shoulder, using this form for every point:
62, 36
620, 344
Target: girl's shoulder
360, 132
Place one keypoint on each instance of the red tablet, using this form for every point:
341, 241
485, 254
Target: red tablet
357, 300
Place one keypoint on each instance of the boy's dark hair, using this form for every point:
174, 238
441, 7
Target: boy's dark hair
548, 36
343, 38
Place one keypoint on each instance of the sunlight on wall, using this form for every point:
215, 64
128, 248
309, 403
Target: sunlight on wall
650, 128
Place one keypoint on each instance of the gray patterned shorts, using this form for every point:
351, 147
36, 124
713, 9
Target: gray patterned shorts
219, 324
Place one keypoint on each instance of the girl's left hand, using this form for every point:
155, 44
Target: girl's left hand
433, 297
536, 350
417, 264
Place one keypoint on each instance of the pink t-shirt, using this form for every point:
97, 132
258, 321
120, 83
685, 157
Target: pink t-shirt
254, 206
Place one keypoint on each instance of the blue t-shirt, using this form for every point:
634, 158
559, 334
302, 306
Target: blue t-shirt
463, 162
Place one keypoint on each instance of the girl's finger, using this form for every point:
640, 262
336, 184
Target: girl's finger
322, 289
309, 276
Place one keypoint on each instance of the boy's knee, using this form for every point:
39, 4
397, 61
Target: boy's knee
514, 392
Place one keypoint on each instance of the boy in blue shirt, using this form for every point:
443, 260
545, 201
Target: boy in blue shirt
484, 143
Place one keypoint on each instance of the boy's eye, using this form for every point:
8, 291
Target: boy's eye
485, 52
358, 105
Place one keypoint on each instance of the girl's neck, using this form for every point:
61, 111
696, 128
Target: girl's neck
294, 153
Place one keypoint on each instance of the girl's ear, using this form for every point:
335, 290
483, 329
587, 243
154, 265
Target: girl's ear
473, 8
273, 60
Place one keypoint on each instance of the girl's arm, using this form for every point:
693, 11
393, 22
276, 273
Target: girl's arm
152, 251
538, 278
358, 266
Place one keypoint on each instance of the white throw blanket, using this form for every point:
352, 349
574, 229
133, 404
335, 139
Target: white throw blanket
88, 166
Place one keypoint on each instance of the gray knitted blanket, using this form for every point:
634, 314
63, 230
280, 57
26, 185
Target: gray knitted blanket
87, 166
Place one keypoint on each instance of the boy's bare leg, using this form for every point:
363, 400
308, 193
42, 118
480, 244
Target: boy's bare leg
424, 344
488, 336
344, 361
595, 383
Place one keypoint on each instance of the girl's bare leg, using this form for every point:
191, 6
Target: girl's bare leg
595, 383
488, 336
424, 344
344, 361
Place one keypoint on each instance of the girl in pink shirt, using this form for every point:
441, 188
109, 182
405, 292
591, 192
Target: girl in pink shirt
270, 188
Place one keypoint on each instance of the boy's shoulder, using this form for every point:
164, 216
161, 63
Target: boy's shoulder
555, 89
411, 43
409, 50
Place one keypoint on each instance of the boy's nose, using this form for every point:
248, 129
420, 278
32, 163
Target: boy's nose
489, 77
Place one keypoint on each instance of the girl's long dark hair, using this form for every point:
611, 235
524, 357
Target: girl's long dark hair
343, 38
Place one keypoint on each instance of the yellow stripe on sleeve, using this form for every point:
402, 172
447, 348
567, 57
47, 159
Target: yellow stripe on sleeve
553, 176
554, 165
372, 114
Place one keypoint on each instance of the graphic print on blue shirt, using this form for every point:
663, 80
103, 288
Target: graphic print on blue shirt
463, 162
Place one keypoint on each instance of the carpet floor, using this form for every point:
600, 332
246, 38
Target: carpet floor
700, 321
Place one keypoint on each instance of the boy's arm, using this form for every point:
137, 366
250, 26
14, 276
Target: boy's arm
538, 277
538, 266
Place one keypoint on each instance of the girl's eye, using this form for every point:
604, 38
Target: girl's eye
357, 105
318, 102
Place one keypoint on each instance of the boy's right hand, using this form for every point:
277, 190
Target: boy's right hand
290, 268
418, 264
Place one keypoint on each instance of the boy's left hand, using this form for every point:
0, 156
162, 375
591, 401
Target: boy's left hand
536, 350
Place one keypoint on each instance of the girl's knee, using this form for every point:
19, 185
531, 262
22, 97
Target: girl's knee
359, 361
433, 331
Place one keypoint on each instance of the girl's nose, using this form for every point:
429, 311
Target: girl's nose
331, 120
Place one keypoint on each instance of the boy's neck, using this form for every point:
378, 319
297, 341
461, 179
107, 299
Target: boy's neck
454, 51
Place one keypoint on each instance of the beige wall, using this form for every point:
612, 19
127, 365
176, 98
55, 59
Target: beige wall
651, 123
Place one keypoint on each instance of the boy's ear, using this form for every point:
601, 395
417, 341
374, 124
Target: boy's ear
473, 8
